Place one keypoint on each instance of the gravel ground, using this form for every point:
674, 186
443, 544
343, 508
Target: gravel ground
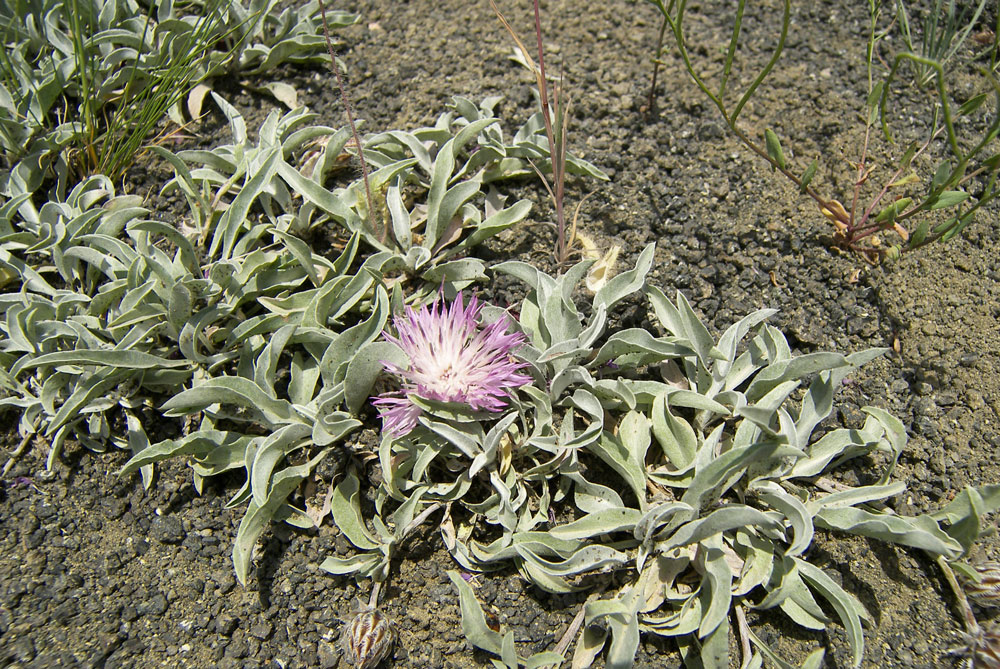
97, 572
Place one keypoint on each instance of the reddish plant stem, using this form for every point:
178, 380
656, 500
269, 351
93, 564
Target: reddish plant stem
556, 148
862, 177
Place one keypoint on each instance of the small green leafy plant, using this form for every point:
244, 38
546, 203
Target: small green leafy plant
942, 33
964, 178
85, 84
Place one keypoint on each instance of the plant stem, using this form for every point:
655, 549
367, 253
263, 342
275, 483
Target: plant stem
651, 102
383, 233
971, 626
557, 146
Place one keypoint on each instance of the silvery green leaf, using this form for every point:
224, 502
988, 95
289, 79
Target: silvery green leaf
855, 496
231, 390
473, 621
675, 436
542, 579
124, 359
624, 641
614, 453
362, 563
321, 307
258, 517
848, 608
225, 457
919, 531
138, 442
782, 371
466, 436
894, 432
411, 142
492, 442
729, 517
682, 324
508, 654
90, 388
583, 560
795, 511
305, 373
328, 201
787, 590
456, 412
595, 328
654, 519
365, 367
983, 499
616, 394
758, 560
715, 649
440, 208
703, 488
234, 218
197, 444
964, 513
266, 364
816, 406
589, 646
593, 497
184, 248
302, 253
604, 521
401, 225
459, 272
448, 210
492, 226
693, 400
425, 456
567, 350
272, 451
347, 515
345, 344
831, 445
678, 623
526, 273
637, 340
622, 285
546, 658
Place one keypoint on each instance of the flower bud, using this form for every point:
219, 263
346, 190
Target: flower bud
984, 590
368, 639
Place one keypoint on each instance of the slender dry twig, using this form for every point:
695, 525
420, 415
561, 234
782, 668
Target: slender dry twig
971, 626
556, 135
21, 447
383, 233
576, 624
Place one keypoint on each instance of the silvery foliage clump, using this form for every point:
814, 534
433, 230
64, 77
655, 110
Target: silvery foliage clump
52, 72
427, 186
105, 335
226, 327
685, 466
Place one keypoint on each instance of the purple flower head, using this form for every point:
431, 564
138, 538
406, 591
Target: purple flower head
451, 360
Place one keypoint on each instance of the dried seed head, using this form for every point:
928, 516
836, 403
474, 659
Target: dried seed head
368, 639
985, 590
985, 649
